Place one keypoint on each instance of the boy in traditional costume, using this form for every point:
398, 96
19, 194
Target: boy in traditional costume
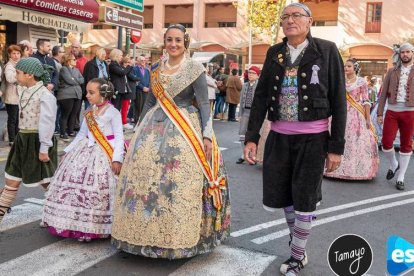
33, 157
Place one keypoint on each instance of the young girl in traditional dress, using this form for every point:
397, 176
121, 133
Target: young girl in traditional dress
33, 156
80, 199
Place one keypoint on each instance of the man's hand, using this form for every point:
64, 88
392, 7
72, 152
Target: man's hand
50, 86
116, 167
145, 89
44, 157
332, 162
250, 151
379, 120
208, 148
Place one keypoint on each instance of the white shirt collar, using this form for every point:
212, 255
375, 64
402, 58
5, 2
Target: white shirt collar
300, 47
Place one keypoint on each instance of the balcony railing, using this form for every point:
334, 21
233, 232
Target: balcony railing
373, 27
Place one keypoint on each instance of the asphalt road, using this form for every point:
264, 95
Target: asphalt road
374, 210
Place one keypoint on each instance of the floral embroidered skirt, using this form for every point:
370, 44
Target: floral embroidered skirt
80, 199
360, 160
162, 208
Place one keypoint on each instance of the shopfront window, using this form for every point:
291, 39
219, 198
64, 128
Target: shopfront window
3, 40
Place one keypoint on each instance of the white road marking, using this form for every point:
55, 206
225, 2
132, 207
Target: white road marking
222, 149
227, 261
37, 201
237, 142
285, 232
20, 215
66, 257
269, 224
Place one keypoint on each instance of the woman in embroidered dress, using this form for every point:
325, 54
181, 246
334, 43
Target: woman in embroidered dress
80, 199
360, 160
164, 207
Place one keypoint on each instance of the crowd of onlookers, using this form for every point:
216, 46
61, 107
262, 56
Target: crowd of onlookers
70, 71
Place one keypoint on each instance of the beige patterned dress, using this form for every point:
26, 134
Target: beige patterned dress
162, 207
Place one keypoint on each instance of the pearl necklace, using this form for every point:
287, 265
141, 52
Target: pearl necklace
173, 67
351, 80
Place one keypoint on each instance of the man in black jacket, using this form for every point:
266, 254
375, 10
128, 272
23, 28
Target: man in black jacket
95, 68
302, 84
42, 54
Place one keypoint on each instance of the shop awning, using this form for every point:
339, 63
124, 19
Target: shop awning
41, 19
205, 57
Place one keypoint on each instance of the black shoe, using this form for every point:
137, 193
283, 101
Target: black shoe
64, 137
241, 160
72, 134
293, 264
391, 174
399, 185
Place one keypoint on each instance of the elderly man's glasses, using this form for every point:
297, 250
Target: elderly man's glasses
295, 16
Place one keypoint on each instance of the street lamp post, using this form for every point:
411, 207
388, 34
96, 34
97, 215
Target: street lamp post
250, 3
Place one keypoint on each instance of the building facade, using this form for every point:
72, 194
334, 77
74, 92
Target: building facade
363, 29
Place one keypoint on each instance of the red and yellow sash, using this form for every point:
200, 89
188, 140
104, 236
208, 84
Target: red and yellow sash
361, 110
97, 133
216, 183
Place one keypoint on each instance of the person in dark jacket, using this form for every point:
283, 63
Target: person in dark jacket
131, 84
42, 54
117, 75
95, 68
302, 84
69, 95
143, 87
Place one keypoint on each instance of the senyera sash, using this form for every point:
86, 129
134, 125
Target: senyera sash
361, 110
184, 125
97, 133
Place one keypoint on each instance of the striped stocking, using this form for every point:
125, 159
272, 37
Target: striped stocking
301, 231
7, 197
290, 218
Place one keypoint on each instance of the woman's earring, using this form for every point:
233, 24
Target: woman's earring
164, 54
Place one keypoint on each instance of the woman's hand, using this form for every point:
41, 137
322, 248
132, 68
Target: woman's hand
116, 167
368, 122
208, 148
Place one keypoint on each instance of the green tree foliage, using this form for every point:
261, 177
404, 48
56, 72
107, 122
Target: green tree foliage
263, 16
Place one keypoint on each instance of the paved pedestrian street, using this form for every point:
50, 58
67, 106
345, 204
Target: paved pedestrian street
258, 243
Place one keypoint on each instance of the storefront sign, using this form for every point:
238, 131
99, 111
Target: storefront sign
41, 19
83, 10
132, 4
121, 18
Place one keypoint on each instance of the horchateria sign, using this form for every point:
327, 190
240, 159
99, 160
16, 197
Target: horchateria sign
83, 10
41, 19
